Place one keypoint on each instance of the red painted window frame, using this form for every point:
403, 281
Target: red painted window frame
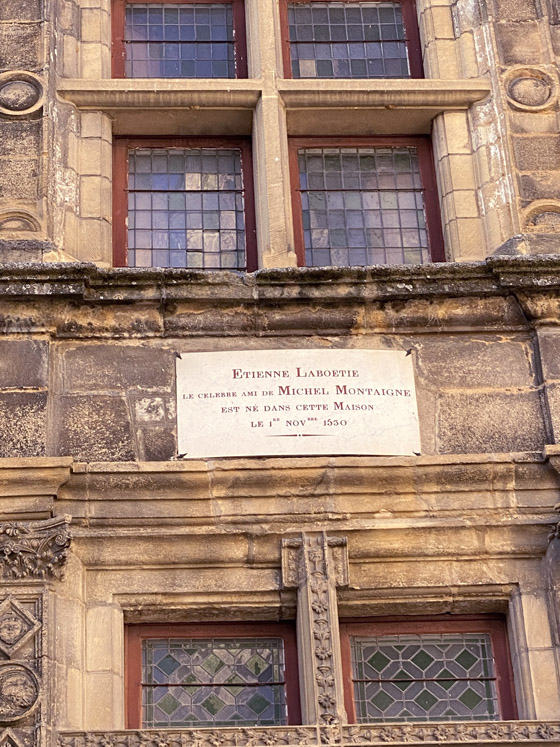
118, 51
412, 35
122, 145
135, 634
427, 173
495, 625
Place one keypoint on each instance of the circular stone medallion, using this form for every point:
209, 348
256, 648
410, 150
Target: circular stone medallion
19, 691
530, 91
18, 95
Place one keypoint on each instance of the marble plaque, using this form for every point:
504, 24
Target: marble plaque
296, 402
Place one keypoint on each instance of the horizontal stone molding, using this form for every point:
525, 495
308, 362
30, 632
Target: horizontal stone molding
127, 93
495, 732
439, 95
511, 293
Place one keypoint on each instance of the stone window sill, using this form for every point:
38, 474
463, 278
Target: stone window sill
216, 107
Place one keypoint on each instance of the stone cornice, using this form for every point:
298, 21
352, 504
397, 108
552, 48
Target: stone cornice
512, 293
494, 276
28, 486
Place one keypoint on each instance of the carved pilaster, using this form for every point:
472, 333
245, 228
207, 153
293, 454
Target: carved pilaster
31, 554
316, 565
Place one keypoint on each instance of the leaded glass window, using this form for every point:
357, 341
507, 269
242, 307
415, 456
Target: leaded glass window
191, 40
347, 40
424, 677
186, 208
362, 206
213, 682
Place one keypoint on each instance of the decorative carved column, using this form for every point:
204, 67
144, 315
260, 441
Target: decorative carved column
316, 565
32, 554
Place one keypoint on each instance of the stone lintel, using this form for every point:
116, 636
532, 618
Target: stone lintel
28, 486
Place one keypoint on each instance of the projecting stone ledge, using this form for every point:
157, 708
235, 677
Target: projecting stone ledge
497, 274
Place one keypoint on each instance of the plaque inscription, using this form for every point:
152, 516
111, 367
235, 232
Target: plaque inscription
296, 402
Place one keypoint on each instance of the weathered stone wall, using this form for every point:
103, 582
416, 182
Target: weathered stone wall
24, 55
87, 358
497, 159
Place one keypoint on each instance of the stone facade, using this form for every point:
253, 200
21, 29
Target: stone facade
103, 525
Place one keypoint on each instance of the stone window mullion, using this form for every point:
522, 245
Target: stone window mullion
316, 565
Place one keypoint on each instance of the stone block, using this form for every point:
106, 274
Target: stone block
543, 672
540, 186
160, 444
24, 250
20, 47
95, 429
553, 397
489, 422
109, 367
20, 10
102, 621
19, 179
488, 361
23, 424
515, 10
512, 52
20, 137
537, 153
549, 344
23, 363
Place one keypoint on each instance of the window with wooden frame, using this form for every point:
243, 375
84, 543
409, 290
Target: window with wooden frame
178, 39
365, 201
349, 39
211, 675
427, 670
184, 203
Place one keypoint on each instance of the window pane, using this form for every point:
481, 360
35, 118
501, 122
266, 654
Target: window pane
213, 682
347, 40
186, 208
179, 41
362, 206
429, 677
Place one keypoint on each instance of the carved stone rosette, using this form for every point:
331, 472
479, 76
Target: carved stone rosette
31, 554
316, 565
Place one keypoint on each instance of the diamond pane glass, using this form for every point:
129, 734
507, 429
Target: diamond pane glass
362, 206
213, 682
428, 677
186, 208
347, 40
179, 41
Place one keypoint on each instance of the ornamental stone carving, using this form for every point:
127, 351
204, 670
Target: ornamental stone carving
530, 89
19, 692
316, 565
21, 93
342, 736
34, 549
17, 626
226, 737
9, 739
